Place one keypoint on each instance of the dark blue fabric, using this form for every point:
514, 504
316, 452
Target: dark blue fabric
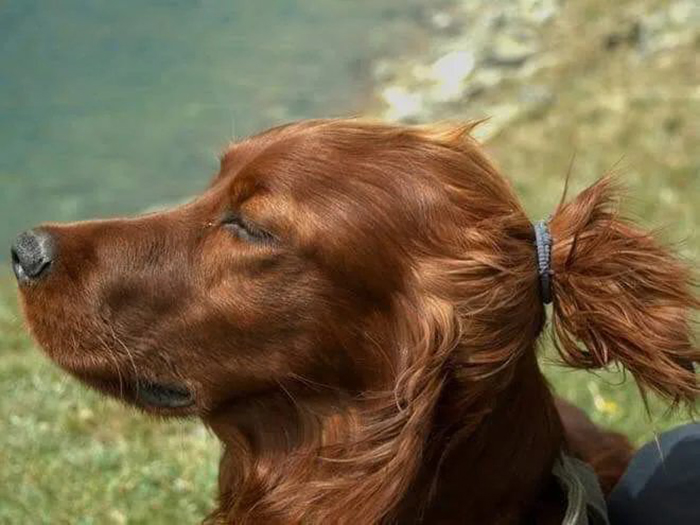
662, 483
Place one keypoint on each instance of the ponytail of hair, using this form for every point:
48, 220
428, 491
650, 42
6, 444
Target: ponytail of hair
620, 296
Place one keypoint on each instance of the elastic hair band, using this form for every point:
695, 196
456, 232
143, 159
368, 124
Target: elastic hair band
543, 241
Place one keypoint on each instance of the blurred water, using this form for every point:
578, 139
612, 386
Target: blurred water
111, 106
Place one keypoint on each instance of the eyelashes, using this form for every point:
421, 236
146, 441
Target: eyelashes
245, 230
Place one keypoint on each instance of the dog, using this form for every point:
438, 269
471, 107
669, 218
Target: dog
354, 309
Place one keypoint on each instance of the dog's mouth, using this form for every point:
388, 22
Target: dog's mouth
163, 395
167, 397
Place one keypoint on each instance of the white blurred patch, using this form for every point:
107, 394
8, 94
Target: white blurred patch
401, 102
450, 72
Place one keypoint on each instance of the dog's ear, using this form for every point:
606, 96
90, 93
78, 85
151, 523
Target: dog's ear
620, 296
388, 431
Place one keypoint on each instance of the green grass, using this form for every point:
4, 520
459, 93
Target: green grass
67, 455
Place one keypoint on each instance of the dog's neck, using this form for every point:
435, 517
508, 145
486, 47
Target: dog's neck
492, 469
499, 472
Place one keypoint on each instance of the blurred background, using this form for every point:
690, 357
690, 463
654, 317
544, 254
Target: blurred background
114, 107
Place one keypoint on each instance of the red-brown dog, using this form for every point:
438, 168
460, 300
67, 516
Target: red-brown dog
353, 308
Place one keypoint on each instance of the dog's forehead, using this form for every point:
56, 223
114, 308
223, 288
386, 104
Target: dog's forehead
288, 162
331, 172
240, 152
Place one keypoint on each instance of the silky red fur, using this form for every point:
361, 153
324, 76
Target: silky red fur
375, 360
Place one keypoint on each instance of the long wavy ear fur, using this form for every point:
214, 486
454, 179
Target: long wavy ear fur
390, 442
622, 295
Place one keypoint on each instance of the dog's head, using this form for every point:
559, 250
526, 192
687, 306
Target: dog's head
280, 271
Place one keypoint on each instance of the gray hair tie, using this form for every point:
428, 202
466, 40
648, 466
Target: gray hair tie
543, 241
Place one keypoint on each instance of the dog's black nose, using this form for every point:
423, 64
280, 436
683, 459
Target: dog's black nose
32, 254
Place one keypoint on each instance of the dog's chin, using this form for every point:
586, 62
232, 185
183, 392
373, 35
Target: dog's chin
166, 397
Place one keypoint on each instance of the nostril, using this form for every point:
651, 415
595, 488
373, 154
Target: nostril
32, 254
15, 257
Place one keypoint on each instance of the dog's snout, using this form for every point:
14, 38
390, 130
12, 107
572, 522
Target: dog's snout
33, 253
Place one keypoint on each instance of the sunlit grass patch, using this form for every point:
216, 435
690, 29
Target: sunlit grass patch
612, 399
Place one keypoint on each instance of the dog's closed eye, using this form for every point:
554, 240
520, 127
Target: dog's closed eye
245, 230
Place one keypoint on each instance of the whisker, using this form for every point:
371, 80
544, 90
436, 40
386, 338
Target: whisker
137, 384
114, 359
